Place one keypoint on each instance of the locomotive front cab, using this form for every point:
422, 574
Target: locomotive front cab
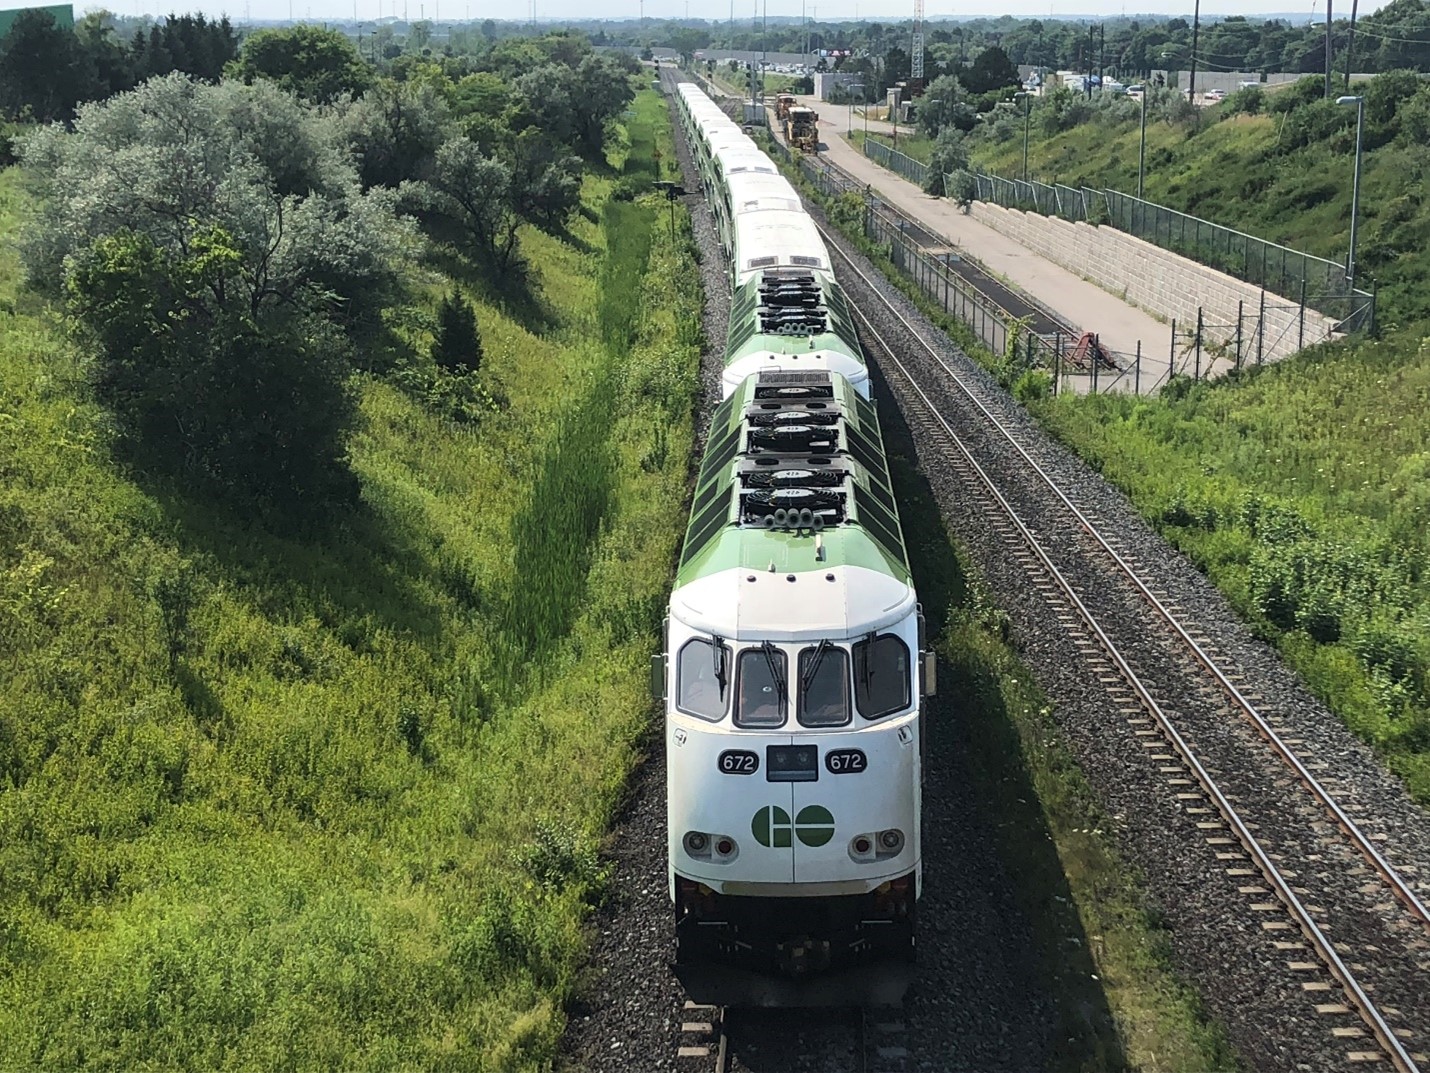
793, 775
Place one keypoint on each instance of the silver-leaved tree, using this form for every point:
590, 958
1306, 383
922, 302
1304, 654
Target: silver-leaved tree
221, 261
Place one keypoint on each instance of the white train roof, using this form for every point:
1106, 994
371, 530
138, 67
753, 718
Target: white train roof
777, 239
734, 161
752, 191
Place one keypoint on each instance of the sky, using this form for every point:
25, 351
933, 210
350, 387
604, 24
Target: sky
745, 9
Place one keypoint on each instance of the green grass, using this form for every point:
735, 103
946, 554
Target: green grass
910, 144
343, 827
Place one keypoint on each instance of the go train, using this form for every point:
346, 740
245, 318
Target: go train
794, 664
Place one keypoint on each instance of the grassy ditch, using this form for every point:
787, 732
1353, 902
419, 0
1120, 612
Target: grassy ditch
285, 801
1103, 959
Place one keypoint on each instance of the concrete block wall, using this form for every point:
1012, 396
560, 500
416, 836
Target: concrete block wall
1163, 283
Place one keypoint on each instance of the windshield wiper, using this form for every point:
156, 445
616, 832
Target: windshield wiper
769, 650
807, 679
866, 672
717, 658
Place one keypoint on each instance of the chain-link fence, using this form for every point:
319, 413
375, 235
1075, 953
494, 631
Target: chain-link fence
1071, 203
916, 171
1315, 281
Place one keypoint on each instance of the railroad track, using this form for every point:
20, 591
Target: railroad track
1362, 957
724, 1040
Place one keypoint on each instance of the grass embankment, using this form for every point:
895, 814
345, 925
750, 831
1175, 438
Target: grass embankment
1103, 960
1299, 488
291, 802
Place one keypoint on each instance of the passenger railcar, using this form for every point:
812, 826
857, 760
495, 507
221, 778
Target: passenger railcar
794, 663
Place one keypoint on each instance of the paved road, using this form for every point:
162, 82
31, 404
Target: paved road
1119, 326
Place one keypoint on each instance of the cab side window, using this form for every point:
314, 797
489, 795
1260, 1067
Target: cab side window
703, 679
882, 676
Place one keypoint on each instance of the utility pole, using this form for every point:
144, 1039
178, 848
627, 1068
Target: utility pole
1351, 43
1196, 27
1329, 5
916, 53
1142, 145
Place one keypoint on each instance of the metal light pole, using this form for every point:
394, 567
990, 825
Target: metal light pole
1027, 111
1359, 102
1142, 146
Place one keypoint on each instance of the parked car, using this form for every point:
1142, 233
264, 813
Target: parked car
1214, 95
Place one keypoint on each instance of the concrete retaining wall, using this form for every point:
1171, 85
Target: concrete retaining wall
1163, 283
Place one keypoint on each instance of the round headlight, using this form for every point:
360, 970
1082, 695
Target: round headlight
891, 840
696, 841
724, 847
862, 844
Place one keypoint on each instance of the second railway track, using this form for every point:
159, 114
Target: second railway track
1349, 926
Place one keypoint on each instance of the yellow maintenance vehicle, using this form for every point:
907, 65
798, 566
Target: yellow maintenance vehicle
783, 103
802, 129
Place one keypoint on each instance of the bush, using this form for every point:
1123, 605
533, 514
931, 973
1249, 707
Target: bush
1250, 100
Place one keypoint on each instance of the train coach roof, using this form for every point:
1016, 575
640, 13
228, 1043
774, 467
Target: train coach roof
801, 442
771, 239
746, 186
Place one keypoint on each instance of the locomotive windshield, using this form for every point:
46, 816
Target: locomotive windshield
881, 676
703, 679
823, 691
760, 687
824, 686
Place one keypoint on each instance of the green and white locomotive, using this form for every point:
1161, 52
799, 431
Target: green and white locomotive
793, 672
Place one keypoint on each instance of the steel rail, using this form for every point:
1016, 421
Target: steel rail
1384, 1034
1393, 879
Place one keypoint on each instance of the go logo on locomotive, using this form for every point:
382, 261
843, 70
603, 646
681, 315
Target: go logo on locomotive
814, 826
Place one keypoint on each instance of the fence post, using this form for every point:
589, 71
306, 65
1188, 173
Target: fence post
1172, 357
1137, 371
1261, 328
1057, 360
1096, 349
1197, 368
1239, 304
1301, 332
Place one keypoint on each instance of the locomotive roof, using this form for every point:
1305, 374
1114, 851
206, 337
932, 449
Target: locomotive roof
823, 321
802, 442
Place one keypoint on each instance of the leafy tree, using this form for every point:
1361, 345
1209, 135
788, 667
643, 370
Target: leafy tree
575, 105
457, 346
991, 70
395, 131
546, 180
944, 104
213, 246
949, 156
317, 64
41, 71
468, 202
